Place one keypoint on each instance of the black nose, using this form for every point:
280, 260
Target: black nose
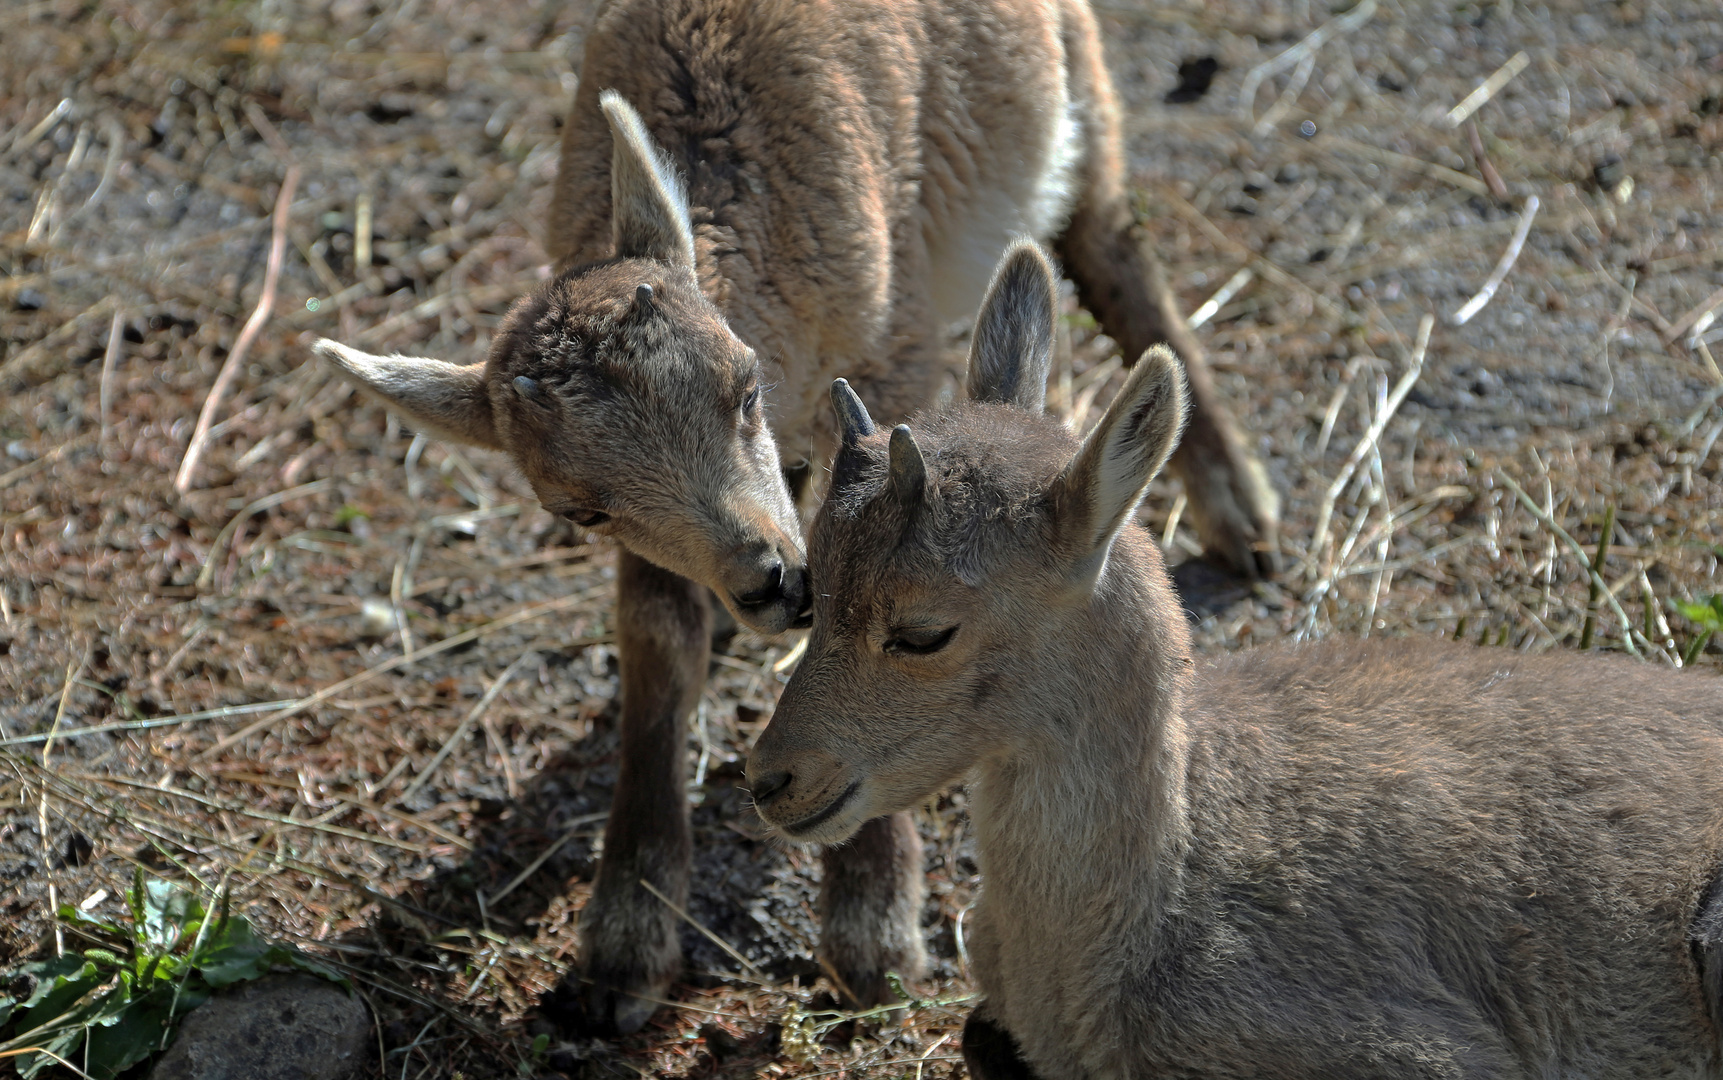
768, 592
769, 787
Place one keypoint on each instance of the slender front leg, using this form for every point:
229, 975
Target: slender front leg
870, 908
1235, 512
629, 941
989, 1050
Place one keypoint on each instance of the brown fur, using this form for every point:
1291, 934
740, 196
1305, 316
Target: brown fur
1404, 858
810, 189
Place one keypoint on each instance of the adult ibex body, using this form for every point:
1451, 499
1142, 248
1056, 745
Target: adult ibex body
1405, 859
808, 189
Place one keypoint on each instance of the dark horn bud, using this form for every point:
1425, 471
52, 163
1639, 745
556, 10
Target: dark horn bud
853, 421
643, 295
908, 469
529, 389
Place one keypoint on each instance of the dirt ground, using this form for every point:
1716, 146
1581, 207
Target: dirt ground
363, 680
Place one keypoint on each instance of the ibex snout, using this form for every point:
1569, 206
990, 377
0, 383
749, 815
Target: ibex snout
768, 586
808, 795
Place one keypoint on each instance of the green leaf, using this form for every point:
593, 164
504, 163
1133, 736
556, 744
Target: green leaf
312, 966
170, 913
234, 953
6, 1003
65, 1044
50, 975
134, 1034
71, 915
1706, 613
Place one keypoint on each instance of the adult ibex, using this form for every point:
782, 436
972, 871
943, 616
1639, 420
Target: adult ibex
807, 190
1405, 859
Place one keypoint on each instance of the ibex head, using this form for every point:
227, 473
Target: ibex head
625, 399
954, 561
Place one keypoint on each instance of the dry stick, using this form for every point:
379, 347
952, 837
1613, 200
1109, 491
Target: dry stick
1353, 460
1336, 402
1211, 307
72, 671
1487, 90
110, 360
1603, 540
1343, 24
695, 923
1550, 523
1485, 168
533, 611
466, 725
1500, 273
1187, 210
7, 479
1692, 318
247, 334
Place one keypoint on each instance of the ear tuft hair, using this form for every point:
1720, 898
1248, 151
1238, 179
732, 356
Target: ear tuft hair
649, 211
1012, 348
1104, 482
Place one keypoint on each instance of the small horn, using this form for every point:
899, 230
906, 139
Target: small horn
643, 295
853, 421
529, 389
908, 470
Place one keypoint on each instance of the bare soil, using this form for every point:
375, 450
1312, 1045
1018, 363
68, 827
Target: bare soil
135, 224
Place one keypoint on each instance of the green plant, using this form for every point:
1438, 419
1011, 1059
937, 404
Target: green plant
1707, 615
115, 1003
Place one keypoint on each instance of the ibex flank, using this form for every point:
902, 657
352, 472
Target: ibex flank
1350, 860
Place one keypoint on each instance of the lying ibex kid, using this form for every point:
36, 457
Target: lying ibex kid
1399, 859
807, 190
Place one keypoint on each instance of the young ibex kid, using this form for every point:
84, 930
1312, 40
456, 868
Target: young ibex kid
807, 190
1405, 859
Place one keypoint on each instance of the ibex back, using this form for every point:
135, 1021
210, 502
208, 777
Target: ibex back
807, 190
1406, 859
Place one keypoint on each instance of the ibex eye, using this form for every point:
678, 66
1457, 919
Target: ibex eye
919, 641
586, 519
750, 402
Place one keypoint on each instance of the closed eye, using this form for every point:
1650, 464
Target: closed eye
919, 641
751, 401
586, 518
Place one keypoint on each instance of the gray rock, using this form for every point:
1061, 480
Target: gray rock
280, 1027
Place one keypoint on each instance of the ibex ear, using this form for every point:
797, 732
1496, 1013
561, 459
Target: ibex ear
441, 397
1012, 348
1100, 488
649, 212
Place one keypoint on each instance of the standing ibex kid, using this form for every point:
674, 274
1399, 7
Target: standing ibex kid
806, 190
1405, 859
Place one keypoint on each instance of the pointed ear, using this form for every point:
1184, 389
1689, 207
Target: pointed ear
649, 212
1012, 347
440, 397
1102, 485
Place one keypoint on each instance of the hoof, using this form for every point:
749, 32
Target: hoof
280, 1027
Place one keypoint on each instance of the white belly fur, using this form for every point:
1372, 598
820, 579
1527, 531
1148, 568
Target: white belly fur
1035, 202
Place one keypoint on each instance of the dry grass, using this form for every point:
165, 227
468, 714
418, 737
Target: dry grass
364, 677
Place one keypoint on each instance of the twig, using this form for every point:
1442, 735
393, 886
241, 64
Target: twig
1213, 304
1476, 304
248, 333
1603, 540
1487, 89
1554, 526
1485, 168
28, 139
110, 360
532, 611
1332, 413
1342, 24
1356, 458
31, 468
466, 725
695, 923
1691, 319
154, 722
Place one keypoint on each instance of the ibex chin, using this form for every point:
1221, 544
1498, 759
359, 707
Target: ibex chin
1400, 859
806, 190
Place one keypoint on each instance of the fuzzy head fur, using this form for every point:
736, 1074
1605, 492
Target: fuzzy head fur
954, 560
624, 397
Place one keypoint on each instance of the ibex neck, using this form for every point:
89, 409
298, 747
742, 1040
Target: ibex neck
1083, 826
